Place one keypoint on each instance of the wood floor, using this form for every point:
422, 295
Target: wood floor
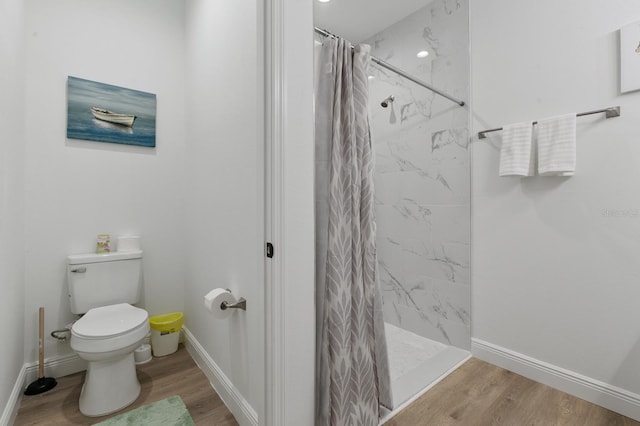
479, 394
175, 374
476, 394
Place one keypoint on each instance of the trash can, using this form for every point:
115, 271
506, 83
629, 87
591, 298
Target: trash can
165, 332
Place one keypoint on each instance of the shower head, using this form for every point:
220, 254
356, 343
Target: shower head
387, 101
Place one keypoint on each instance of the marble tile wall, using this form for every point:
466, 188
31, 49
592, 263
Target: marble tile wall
422, 173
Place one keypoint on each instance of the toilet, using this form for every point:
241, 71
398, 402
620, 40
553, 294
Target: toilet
102, 288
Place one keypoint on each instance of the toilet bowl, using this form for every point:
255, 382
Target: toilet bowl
102, 288
107, 337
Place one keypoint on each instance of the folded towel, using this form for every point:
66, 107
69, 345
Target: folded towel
516, 157
557, 145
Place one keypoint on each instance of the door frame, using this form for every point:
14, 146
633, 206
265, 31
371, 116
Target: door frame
289, 218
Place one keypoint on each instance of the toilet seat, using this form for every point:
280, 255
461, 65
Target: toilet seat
109, 329
109, 321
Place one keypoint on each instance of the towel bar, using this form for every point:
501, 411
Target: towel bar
609, 113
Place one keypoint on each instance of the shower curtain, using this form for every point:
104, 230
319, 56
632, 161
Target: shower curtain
351, 362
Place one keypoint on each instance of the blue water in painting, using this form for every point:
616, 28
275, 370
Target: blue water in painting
84, 94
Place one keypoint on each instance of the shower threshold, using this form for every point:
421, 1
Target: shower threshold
416, 364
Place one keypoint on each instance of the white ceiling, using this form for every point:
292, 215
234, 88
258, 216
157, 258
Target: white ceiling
357, 20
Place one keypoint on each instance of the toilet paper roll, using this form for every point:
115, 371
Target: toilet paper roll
142, 354
214, 299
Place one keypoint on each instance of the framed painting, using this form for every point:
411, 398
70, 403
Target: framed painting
105, 113
630, 57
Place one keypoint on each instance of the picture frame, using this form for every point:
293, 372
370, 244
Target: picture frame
630, 57
103, 112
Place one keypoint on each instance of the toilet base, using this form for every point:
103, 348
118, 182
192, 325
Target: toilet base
109, 386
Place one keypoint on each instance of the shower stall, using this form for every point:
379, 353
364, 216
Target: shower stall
422, 188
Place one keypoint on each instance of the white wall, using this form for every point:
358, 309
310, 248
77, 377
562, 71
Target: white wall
225, 183
554, 275
78, 189
202, 226
11, 194
210, 214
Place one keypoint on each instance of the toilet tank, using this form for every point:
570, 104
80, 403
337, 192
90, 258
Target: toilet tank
96, 280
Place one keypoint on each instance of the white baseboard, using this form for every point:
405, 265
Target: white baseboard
233, 399
69, 364
53, 367
58, 366
597, 392
13, 404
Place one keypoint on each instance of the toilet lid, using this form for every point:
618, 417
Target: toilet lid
109, 321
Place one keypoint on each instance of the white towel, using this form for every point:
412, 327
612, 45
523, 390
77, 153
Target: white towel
516, 156
557, 145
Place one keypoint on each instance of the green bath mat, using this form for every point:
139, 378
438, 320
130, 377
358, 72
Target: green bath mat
167, 412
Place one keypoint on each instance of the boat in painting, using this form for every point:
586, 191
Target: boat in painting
113, 117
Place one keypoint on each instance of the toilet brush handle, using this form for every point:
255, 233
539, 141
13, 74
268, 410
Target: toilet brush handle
41, 342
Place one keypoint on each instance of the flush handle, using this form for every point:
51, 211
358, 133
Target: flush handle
81, 270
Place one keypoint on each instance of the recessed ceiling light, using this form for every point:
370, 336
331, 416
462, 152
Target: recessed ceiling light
422, 54
324, 1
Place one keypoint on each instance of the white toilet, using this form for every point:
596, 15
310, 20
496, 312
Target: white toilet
102, 286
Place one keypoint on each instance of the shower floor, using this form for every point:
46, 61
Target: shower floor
416, 363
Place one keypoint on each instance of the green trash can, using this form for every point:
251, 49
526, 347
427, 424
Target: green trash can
165, 333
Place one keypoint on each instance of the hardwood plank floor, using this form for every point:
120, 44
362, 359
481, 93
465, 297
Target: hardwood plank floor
175, 374
479, 394
476, 394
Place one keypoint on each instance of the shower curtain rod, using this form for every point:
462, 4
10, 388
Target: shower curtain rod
398, 71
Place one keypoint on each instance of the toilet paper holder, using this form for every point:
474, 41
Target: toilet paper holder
240, 304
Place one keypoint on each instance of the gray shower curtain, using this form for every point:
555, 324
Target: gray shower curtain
351, 363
